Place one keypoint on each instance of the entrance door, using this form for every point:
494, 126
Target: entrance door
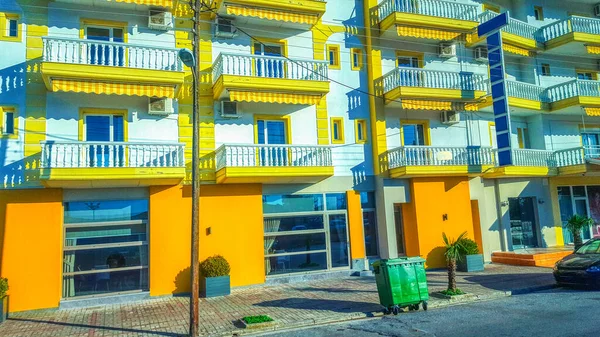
272, 132
399, 230
105, 128
523, 226
269, 67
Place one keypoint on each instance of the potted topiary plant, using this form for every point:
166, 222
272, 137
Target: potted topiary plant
453, 253
471, 260
215, 270
3, 299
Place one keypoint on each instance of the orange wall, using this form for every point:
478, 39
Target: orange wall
355, 226
234, 215
431, 198
31, 247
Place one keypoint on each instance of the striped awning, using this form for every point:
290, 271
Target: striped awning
426, 33
158, 3
595, 112
270, 14
273, 97
593, 49
516, 50
128, 89
437, 105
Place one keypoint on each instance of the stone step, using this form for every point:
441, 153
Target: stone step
531, 260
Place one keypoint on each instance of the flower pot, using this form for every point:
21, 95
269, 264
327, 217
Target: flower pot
3, 308
216, 286
470, 263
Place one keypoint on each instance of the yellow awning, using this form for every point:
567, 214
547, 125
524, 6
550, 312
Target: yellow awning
437, 105
426, 33
270, 14
593, 49
516, 50
273, 97
159, 3
592, 111
128, 89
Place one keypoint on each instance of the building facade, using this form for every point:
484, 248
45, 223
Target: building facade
331, 132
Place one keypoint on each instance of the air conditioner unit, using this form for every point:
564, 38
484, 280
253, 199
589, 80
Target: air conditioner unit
229, 109
450, 117
160, 20
447, 49
224, 28
597, 9
481, 54
160, 106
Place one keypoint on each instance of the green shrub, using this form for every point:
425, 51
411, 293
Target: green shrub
449, 292
215, 266
257, 319
469, 247
3, 287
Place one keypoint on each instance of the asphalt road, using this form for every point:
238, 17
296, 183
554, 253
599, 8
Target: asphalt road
558, 312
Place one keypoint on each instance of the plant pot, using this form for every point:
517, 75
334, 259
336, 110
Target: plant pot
3, 308
217, 286
470, 263
262, 325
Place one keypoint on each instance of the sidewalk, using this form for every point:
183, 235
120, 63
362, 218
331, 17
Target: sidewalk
291, 305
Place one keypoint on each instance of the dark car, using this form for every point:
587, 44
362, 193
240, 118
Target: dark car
581, 267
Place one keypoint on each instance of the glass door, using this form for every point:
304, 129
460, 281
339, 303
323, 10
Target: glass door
272, 132
269, 67
105, 54
591, 145
105, 128
522, 222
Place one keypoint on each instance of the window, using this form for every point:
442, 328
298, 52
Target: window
411, 60
337, 130
9, 27
545, 69
356, 58
8, 122
367, 201
538, 13
523, 137
586, 74
333, 55
360, 128
415, 133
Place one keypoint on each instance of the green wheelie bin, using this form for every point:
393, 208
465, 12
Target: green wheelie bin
401, 283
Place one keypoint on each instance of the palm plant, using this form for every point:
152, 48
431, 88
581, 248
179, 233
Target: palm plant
454, 251
575, 225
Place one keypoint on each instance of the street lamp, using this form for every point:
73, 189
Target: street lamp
187, 57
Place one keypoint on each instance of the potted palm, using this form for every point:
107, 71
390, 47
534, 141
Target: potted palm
575, 225
215, 270
471, 260
3, 299
454, 252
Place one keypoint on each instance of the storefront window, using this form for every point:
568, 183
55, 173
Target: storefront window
107, 257
367, 200
302, 235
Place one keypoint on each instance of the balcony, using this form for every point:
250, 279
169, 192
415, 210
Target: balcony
527, 163
431, 89
573, 29
98, 67
72, 164
429, 19
271, 164
419, 161
293, 13
518, 37
574, 93
269, 79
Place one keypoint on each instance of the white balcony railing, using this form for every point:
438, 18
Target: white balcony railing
439, 8
573, 88
569, 157
269, 67
72, 154
440, 156
515, 27
423, 78
572, 24
527, 91
114, 54
258, 155
535, 158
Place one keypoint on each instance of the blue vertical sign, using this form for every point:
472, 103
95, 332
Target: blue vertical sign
491, 30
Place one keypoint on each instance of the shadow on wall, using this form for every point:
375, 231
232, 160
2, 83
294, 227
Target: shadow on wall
182, 281
436, 258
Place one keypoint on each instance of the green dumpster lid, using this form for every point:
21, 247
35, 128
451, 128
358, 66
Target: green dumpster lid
400, 260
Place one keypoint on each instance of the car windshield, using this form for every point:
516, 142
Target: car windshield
592, 247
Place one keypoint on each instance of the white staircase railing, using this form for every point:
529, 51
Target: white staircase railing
535, 158
439, 8
440, 156
114, 54
515, 27
569, 157
72, 154
423, 78
573, 88
269, 67
258, 155
527, 91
